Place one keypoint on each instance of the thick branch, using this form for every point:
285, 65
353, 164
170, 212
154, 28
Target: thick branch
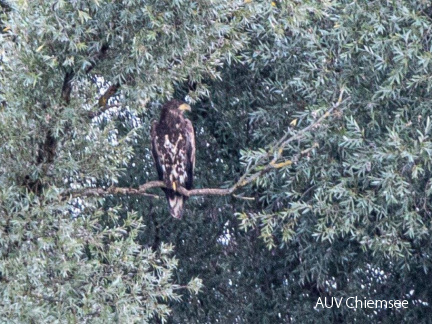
67, 87
47, 150
142, 190
103, 101
96, 192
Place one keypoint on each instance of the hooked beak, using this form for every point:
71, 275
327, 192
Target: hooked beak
184, 107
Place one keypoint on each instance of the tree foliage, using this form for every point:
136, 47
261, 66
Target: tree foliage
319, 110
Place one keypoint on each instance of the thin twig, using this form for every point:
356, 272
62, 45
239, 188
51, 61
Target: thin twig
280, 144
244, 198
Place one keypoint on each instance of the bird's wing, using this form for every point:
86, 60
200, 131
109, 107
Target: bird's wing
155, 151
190, 153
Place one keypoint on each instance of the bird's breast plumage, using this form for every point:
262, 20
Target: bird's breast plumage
171, 143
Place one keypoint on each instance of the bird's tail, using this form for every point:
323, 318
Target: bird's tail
175, 203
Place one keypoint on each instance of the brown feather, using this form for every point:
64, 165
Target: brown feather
173, 149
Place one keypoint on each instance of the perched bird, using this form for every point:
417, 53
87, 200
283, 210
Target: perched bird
173, 149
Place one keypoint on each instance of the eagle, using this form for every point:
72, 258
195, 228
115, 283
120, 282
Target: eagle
173, 149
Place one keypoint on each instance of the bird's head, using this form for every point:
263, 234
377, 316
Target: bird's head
176, 107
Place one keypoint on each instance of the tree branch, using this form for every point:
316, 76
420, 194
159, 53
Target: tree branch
67, 86
103, 101
47, 150
142, 191
97, 192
